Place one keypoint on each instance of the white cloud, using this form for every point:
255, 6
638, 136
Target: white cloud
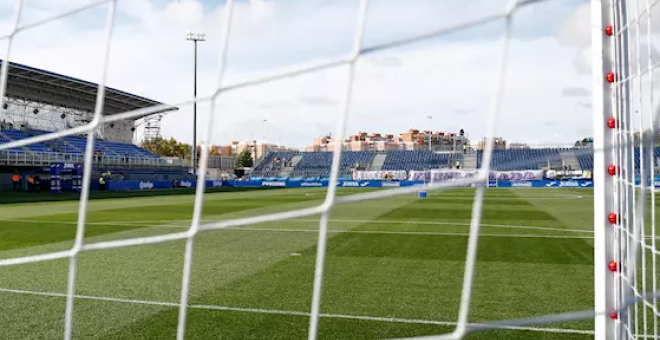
451, 78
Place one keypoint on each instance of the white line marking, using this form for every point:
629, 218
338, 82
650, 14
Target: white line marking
487, 198
410, 233
292, 313
186, 224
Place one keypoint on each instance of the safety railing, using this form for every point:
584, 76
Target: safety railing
22, 158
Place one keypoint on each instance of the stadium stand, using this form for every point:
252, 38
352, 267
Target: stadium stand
77, 144
585, 156
272, 164
317, 164
419, 160
14, 134
522, 159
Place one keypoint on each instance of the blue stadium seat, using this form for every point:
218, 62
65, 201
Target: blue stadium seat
419, 160
521, 159
14, 134
318, 164
76, 145
585, 157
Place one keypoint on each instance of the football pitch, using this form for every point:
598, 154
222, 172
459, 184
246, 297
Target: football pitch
394, 266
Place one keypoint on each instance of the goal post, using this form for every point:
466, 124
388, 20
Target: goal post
624, 38
603, 199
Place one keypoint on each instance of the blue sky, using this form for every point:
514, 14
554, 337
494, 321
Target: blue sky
451, 77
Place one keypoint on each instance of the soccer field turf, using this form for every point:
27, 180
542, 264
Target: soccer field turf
394, 266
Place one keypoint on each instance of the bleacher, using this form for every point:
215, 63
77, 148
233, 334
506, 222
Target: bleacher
522, 159
585, 157
7, 135
74, 145
419, 160
272, 164
77, 144
317, 164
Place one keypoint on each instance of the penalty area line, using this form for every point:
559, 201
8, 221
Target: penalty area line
293, 313
409, 233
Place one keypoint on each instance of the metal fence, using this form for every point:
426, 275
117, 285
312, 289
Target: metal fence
21, 158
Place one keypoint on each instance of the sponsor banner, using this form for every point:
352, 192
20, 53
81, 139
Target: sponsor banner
385, 184
151, 185
273, 183
138, 185
440, 175
521, 184
312, 184
380, 175
214, 184
567, 184
656, 181
186, 184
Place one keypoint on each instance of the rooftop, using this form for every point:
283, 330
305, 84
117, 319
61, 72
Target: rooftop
41, 86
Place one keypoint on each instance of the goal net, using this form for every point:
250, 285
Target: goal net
625, 36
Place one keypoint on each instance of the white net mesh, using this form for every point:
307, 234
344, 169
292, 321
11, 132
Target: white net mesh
631, 196
626, 255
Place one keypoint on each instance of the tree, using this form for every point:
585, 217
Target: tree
244, 159
168, 148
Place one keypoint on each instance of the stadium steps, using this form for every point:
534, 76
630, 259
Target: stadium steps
470, 161
377, 162
295, 159
568, 158
286, 172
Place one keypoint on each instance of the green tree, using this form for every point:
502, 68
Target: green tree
168, 148
244, 159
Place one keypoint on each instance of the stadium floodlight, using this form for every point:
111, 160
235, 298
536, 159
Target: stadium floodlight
263, 132
195, 37
430, 134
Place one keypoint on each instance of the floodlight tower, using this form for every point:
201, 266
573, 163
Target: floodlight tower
195, 37
430, 134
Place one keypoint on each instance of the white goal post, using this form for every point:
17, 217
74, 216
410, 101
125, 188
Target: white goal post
625, 130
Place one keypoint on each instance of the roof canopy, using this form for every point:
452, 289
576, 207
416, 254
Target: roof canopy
40, 86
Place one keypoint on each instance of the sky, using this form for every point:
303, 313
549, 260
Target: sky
451, 78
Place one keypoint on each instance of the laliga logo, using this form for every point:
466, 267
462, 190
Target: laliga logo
146, 185
185, 184
216, 184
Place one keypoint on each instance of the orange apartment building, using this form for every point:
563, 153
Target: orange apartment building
412, 139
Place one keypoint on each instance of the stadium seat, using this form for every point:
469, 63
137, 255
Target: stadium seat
76, 145
419, 160
522, 159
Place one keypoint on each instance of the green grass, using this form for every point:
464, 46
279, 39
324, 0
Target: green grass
399, 258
